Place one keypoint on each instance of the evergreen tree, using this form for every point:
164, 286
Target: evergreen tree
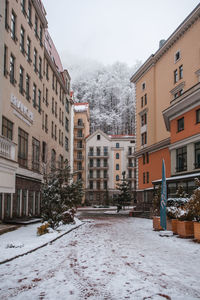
124, 196
59, 194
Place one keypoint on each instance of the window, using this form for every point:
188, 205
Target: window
62, 118
56, 109
98, 163
53, 159
91, 174
117, 166
80, 122
143, 86
129, 150
105, 163
66, 144
129, 173
175, 76
144, 119
147, 177
105, 185
80, 133
47, 70
98, 137
60, 115
35, 154
39, 101
47, 97
22, 148
198, 115
53, 81
145, 99
98, 185
105, 174
52, 107
98, 151
91, 163
40, 68
178, 94
67, 106
5, 60
91, 151
177, 56
79, 165
117, 155
55, 132
117, 145
181, 72
6, 14
12, 69
91, 185
46, 123
34, 94
144, 138
143, 177
52, 129
27, 87
147, 157
36, 26
44, 152
130, 164
29, 13
35, 60
41, 35
22, 33
98, 173
180, 124
197, 155
79, 155
23, 6
28, 50
181, 159
7, 128
21, 80
117, 177
143, 157
105, 151
66, 124
142, 101
13, 26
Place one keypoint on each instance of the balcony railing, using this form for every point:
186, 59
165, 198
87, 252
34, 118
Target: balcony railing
79, 157
98, 166
79, 137
79, 125
7, 148
98, 154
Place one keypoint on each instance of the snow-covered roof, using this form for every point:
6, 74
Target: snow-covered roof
81, 107
121, 136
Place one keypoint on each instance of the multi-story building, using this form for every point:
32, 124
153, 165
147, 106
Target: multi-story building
166, 78
81, 131
107, 157
34, 104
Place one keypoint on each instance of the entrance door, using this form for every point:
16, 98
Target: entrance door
24, 202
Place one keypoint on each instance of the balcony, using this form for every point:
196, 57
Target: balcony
7, 148
8, 165
79, 158
79, 137
104, 167
79, 147
79, 125
98, 154
131, 166
130, 154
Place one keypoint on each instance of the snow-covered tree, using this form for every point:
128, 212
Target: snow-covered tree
59, 194
110, 94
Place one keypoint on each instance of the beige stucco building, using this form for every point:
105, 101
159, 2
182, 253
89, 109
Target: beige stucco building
107, 156
81, 131
166, 75
35, 107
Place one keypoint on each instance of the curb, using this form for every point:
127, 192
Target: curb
39, 247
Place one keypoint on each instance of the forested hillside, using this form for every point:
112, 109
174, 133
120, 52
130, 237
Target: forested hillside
109, 93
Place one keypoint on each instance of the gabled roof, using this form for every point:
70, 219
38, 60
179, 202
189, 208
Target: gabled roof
81, 107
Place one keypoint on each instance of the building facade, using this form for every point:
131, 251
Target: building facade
163, 79
107, 157
81, 131
35, 106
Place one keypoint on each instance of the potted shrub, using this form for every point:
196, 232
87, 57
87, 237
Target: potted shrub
185, 225
194, 208
156, 210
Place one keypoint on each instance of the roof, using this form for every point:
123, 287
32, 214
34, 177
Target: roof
113, 136
81, 107
53, 53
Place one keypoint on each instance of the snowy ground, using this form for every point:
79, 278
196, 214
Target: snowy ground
108, 258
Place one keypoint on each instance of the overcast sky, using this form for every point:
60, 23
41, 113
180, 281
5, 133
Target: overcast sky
113, 30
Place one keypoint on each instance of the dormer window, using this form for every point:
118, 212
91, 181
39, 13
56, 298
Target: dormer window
98, 137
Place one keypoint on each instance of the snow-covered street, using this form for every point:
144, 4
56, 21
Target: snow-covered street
113, 258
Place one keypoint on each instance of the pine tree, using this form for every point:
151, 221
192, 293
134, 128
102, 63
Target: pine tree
124, 196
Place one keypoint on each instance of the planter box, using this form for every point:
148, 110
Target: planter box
197, 231
156, 223
185, 229
169, 224
174, 226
